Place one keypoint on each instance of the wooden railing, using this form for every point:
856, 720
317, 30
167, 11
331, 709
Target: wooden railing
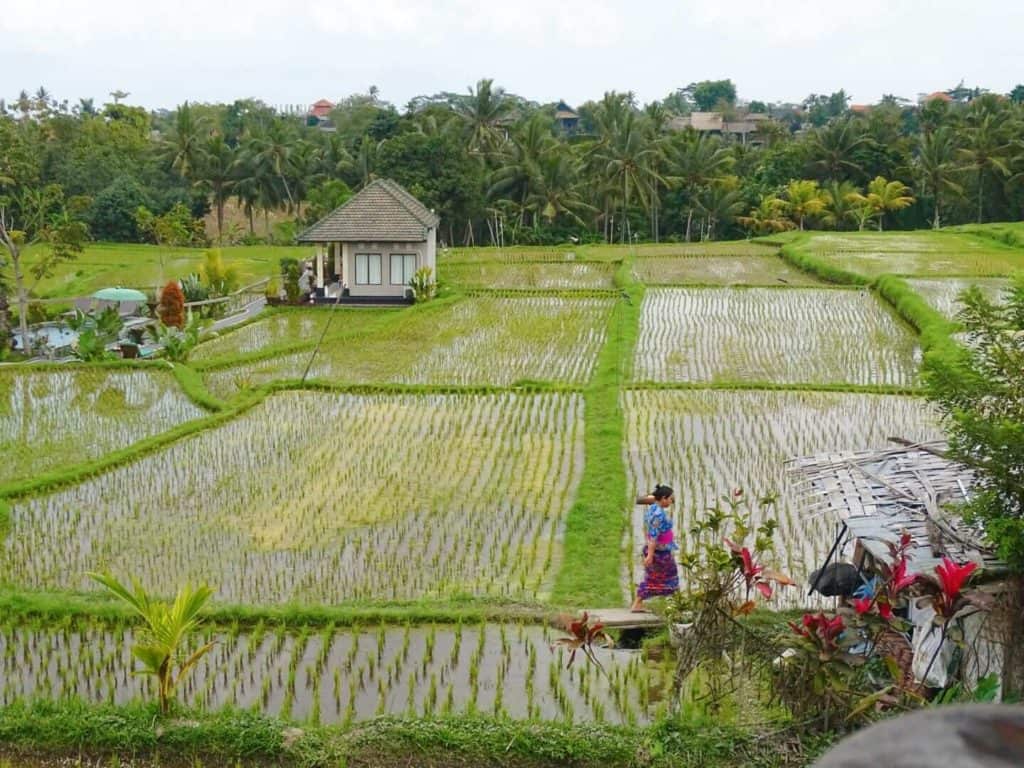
235, 302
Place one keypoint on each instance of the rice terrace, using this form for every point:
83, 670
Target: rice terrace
326, 463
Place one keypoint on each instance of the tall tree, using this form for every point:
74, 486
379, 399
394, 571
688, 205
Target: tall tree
840, 199
803, 200
985, 149
482, 112
884, 197
45, 223
718, 204
628, 161
694, 162
936, 168
218, 173
832, 150
184, 146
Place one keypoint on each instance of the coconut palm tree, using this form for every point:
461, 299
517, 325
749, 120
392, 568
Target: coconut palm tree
718, 203
518, 172
482, 112
840, 199
218, 173
557, 192
803, 200
269, 147
163, 643
769, 216
832, 147
696, 161
628, 162
184, 146
937, 168
985, 150
884, 197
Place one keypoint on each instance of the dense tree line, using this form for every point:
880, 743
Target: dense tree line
497, 168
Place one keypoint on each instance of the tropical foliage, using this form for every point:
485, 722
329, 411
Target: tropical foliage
162, 648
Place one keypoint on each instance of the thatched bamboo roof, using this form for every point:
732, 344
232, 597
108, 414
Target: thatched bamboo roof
881, 493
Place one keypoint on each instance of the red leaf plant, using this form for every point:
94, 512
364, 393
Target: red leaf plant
822, 631
756, 576
582, 637
946, 592
894, 580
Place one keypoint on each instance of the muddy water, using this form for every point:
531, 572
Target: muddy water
349, 675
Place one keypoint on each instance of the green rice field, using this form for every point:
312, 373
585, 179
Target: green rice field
474, 456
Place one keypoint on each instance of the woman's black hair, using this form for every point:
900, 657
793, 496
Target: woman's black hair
662, 492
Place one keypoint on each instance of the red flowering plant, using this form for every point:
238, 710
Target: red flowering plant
820, 678
833, 663
723, 577
584, 636
873, 604
945, 594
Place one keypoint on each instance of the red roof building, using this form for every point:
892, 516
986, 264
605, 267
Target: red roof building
321, 109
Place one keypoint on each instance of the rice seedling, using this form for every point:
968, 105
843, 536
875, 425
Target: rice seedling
943, 294
760, 268
480, 340
66, 416
317, 497
704, 443
762, 334
937, 254
526, 254
541, 276
291, 325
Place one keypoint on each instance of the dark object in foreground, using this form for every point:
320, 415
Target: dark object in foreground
836, 580
971, 736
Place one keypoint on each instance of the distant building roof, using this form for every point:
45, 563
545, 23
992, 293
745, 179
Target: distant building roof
381, 212
706, 121
564, 112
321, 108
939, 95
860, 109
739, 126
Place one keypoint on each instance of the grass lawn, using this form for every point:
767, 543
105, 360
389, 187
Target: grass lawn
102, 265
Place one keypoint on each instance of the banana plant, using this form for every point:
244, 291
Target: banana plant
163, 643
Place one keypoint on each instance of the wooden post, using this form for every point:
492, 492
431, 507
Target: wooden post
337, 260
319, 266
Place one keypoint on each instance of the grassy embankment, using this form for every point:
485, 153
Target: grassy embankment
591, 568
48, 733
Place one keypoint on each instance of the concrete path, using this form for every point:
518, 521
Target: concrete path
252, 309
623, 618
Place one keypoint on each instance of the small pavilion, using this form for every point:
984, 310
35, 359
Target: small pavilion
369, 248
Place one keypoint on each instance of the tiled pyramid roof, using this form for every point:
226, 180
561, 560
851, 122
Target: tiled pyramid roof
381, 212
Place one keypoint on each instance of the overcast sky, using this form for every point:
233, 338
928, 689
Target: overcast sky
296, 51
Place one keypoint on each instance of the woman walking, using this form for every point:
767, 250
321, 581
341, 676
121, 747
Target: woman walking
661, 575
